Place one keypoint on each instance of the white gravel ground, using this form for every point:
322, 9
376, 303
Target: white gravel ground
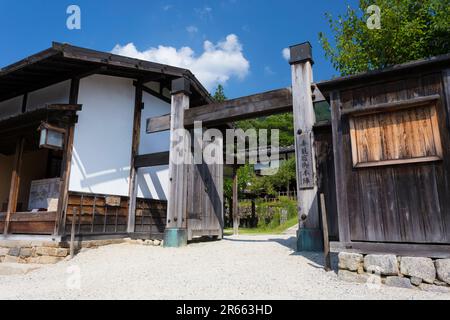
243, 267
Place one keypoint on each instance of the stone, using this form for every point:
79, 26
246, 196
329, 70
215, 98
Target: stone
386, 265
62, 252
48, 260
433, 288
15, 252
349, 276
416, 281
9, 269
440, 283
418, 267
11, 259
148, 242
45, 251
399, 282
3, 251
157, 243
443, 270
26, 252
350, 261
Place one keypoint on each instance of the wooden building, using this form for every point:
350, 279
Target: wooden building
87, 141
391, 151
74, 147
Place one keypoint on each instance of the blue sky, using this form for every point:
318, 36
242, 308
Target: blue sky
245, 37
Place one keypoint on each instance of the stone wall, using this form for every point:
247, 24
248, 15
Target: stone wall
48, 252
404, 272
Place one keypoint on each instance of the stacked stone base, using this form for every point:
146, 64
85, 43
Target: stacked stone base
48, 252
404, 272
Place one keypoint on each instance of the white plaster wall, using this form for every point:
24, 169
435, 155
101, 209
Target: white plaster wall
57, 93
11, 107
153, 183
103, 136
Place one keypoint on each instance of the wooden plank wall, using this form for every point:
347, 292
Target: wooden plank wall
205, 200
398, 203
100, 218
327, 182
41, 223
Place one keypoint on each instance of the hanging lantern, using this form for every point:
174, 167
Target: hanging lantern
51, 137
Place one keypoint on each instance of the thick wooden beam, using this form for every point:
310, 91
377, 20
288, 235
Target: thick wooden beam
176, 231
65, 107
152, 160
310, 237
391, 106
60, 224
133, 188
235, 209
437, 251
15, 183
158, 95
339, 165
272, 102
446, 83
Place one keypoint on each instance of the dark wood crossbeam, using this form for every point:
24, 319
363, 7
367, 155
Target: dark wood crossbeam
272, 102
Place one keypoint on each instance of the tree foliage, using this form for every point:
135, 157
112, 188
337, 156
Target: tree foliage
410, 30
219, 94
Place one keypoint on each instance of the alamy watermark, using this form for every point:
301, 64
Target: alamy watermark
241, 147
73, 22
374, 20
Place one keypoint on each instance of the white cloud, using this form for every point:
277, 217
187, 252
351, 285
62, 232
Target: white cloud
218, 63
204, 13
192, 29
286, 54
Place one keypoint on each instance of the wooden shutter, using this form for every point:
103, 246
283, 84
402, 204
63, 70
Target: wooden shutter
401, 136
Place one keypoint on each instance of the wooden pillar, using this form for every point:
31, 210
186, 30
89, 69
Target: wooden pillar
235, 209
60, 225
309, 234
133, 188
176, 230
15, 183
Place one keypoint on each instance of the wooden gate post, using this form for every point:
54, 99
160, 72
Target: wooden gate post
235, 209
309, 236
176, 230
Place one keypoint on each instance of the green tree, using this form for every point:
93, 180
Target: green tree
410, 30
219, 94
283, 122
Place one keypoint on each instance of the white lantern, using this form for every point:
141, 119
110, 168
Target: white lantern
51, 137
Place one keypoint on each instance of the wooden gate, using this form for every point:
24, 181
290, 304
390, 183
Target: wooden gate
205, 201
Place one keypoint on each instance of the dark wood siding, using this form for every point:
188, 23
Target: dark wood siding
100, 217
398, 203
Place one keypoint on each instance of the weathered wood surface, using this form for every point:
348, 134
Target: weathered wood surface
40, 223
205, 194
152, 160
304, 120
326, 177
15, 183
396, 137
66, 164
179, 151
95, 216
133, 188
404, 203
277, 101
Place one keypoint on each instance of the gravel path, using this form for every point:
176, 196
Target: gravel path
242, 267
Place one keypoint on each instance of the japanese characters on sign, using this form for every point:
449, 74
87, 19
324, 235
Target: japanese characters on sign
306, 172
